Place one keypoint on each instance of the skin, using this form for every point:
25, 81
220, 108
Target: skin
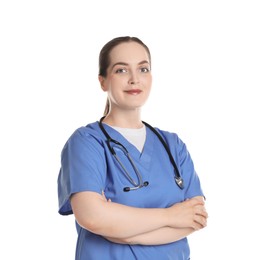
128, 84
157, 237
129, 71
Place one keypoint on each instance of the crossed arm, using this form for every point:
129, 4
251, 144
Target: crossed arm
160, 236
129, 225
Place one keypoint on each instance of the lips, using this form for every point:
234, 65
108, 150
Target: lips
133, 91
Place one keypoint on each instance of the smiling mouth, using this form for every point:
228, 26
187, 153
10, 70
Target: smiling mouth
133, 91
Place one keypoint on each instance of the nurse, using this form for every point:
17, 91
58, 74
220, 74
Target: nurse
122, 192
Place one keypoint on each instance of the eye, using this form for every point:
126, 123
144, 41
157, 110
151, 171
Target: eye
121, 70
144, 70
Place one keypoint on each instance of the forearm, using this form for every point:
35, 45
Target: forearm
94, 213
113, 219
122, 221
160, 236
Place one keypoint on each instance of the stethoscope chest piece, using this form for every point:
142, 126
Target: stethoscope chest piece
179, 182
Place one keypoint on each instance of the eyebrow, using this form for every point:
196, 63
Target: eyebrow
126, 64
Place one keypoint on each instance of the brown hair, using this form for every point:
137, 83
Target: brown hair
104, 57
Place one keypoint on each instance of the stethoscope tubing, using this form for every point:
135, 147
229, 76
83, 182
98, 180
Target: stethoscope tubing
140, 184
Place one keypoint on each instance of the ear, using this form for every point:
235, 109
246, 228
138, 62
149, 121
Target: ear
102, 83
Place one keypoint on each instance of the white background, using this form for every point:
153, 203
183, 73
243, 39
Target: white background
203, 64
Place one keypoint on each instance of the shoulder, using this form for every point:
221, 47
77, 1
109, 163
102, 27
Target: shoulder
90, 131
176, 145
170, 137
173, 141
85, 136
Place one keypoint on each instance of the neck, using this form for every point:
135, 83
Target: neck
125, 119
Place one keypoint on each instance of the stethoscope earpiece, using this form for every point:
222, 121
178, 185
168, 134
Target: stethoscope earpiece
126, 189
146, 183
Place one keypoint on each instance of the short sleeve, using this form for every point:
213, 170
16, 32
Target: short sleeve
82, 168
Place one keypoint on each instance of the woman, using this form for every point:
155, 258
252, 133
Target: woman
134, 194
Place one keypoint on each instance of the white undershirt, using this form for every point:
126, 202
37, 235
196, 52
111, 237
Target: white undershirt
134, 136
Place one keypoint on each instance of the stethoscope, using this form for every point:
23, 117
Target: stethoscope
141, 183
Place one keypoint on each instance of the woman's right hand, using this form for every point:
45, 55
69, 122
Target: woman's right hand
190, 213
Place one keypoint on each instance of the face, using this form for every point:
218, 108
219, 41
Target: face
128, 81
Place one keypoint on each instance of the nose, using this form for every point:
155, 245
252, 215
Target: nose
133, 79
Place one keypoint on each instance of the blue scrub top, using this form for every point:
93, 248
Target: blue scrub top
88, 165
